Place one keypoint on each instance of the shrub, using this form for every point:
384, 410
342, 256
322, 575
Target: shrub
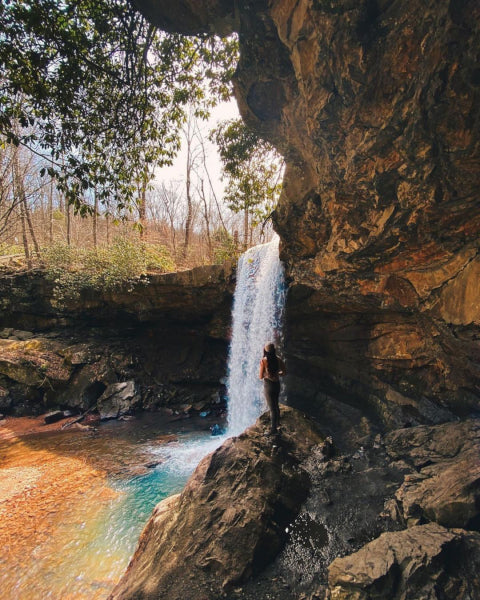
119, 265
225, 247
159, 258
10, 249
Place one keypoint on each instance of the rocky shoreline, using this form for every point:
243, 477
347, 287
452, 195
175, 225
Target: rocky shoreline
396, 519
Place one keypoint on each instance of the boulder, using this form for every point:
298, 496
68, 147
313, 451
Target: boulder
54, 416
422, 562
80, 354
22, 335
33, 362
85, 386
20, 370
444, 482
117, 400
230, 520
6, 332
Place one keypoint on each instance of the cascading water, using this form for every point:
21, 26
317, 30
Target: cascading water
257, 318
95, 531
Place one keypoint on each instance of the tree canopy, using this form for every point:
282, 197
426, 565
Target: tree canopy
100, 91
252, 169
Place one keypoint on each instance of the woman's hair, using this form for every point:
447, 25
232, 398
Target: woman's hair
272, 360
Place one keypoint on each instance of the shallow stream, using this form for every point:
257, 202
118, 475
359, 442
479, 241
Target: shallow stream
73, 503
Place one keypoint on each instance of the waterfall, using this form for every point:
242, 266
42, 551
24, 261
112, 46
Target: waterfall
257, 318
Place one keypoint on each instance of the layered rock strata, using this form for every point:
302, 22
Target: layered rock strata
421, 562
374, 105
167, 336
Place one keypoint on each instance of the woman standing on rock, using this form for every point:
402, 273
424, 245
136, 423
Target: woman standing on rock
271, 368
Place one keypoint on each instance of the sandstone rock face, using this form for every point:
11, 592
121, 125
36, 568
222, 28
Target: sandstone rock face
118, 399
375, 106
168, 334
230, 520
444, 484
426, 561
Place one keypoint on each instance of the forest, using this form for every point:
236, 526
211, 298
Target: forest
94, 104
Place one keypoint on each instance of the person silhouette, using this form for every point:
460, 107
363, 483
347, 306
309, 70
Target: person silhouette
271, 369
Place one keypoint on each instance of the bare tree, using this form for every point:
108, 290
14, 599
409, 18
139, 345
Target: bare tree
170, 201
25, 217
8, 201
194, 156
95, 218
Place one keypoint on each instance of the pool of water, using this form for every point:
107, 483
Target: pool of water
73, 503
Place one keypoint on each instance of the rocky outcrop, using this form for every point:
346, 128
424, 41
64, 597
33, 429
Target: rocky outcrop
199, 295
289, 520
375, 106
168, 334
118, 399
443, 482
420, 562
230, 520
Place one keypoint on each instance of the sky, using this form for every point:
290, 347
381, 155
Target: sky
176, 172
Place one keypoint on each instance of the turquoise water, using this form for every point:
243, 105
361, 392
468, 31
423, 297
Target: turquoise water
142, 494
79, 500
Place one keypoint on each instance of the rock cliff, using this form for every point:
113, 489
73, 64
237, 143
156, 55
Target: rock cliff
374, 105
167, 336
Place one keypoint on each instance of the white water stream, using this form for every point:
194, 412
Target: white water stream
257, 319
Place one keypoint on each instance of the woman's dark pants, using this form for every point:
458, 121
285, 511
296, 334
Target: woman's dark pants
272, 392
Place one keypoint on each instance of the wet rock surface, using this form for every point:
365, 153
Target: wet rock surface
230, 520
421, 562
444, 480
354, 507
168, 335
355, 510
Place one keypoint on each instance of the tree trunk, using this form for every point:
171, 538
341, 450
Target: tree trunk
24, 236
68, 222
245, 229
29, 222
19, 191
50, 211
95, 218
107, 219
207, 219
142, 209
188, 221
